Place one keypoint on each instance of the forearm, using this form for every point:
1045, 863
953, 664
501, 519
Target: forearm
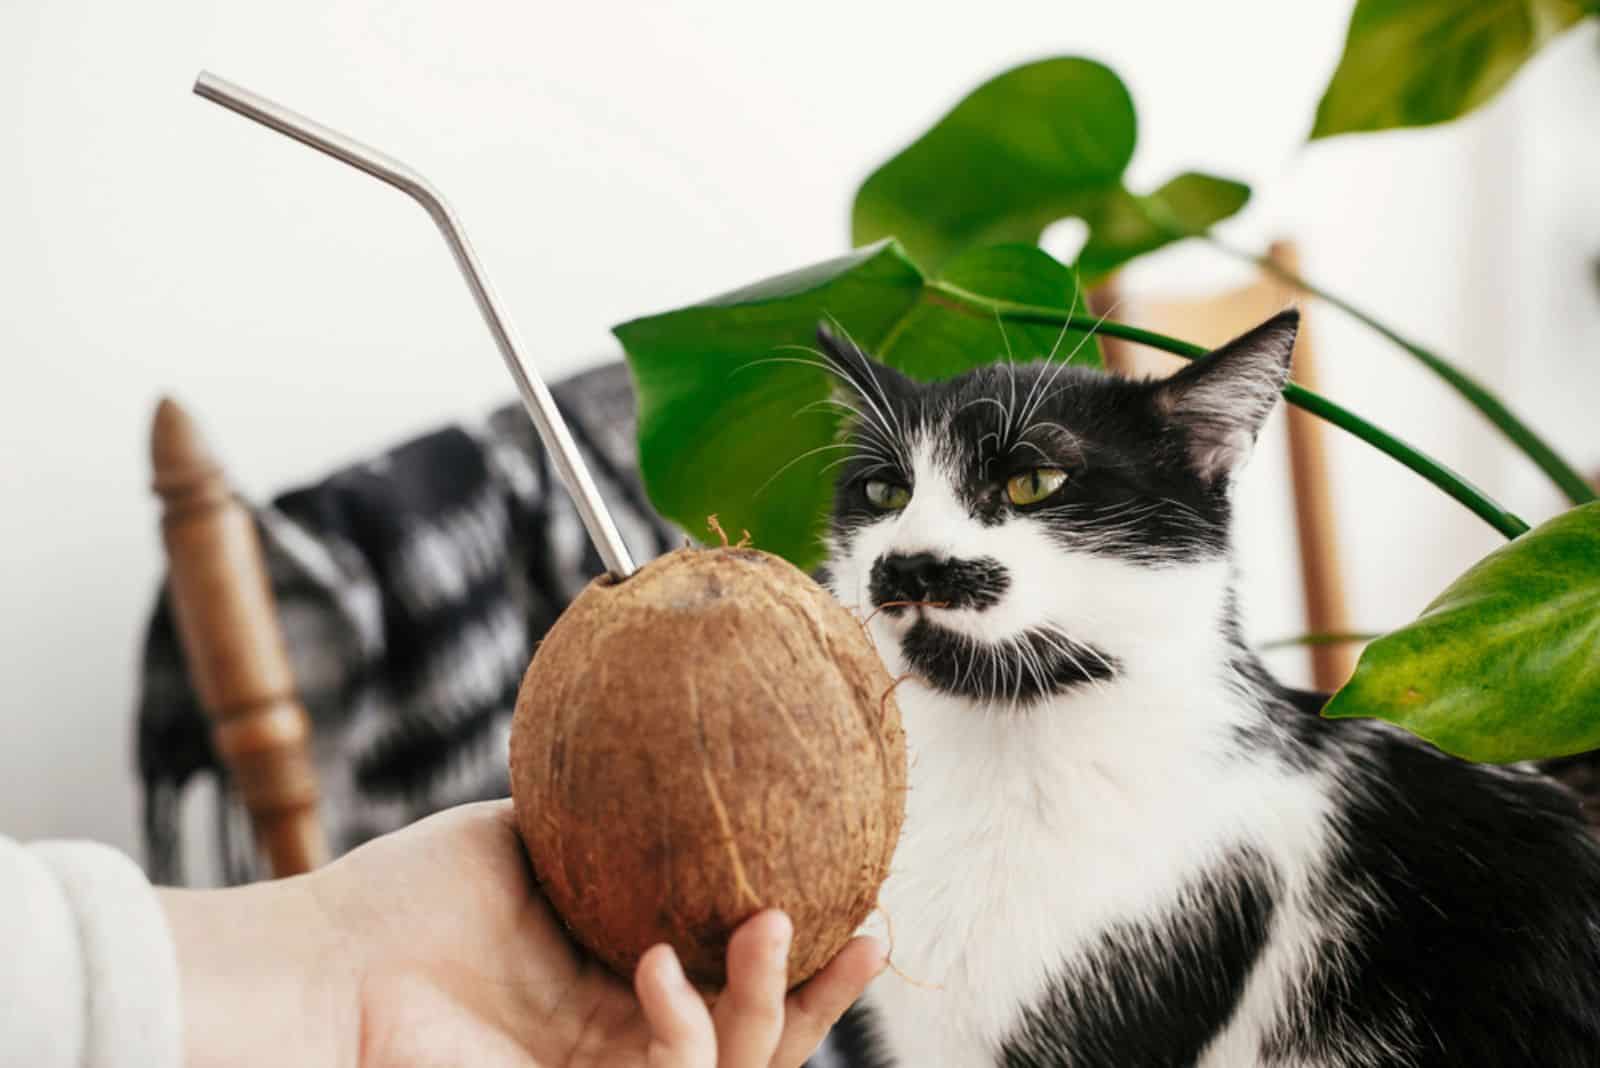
263, 978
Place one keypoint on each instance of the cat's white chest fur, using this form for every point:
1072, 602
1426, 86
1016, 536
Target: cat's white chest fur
1031, 829
1029, 832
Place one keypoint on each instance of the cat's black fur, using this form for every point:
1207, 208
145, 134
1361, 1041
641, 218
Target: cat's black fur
1471, 894
1478, 900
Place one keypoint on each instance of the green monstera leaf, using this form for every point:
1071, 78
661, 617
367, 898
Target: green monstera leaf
1419, 62
1128, 226
1505, 664
732, 412
1043, 142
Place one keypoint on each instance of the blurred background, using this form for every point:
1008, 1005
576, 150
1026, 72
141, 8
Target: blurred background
613, 160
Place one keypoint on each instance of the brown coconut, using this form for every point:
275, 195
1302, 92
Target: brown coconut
710, 737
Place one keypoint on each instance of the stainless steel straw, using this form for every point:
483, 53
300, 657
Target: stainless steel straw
535, 397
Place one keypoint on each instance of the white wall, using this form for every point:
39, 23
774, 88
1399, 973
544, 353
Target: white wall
616, 159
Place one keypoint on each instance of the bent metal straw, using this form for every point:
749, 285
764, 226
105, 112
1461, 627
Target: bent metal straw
536, 397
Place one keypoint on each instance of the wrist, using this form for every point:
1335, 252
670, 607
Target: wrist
261, 976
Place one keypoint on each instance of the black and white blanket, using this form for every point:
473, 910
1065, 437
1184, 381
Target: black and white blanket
412, 590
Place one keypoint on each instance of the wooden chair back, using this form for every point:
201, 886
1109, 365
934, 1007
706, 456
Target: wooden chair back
234, 650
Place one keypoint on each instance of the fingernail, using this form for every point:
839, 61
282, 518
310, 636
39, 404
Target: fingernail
672, 970
784, 935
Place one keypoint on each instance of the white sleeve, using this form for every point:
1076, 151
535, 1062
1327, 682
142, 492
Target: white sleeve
88, 973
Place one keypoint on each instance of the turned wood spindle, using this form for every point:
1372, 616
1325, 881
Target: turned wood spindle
236, 656
1316, 526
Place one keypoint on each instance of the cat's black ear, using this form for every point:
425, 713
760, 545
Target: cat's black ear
856, 371
1222, 399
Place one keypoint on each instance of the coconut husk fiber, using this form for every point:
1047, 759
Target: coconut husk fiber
710, 737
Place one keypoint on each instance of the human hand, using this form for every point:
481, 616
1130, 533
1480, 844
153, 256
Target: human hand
433, 946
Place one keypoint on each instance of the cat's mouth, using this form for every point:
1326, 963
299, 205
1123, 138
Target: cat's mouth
1038, 663
911, 609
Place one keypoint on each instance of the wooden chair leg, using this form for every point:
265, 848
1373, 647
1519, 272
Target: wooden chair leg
236, 656
1315, 524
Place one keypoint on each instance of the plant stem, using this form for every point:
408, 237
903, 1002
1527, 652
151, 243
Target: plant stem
1569, 481
1480, 503
1334, 638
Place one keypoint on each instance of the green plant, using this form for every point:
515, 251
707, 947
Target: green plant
1420, 62
1042, 142
1505, 665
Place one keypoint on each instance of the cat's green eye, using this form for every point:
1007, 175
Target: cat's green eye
1031, 487
887, 495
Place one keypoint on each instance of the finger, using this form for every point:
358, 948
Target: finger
749, 1014
681, 1032
817, 1005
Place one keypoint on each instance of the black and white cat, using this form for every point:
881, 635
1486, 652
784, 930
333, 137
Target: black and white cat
1126, 844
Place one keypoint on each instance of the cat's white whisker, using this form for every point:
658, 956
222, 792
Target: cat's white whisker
1072, 309
871, 376
983, 438
881, 414
1095, 329
1041, 384
798, 459
1049, 460
1001, 323
974, 402
1066, 435
1010, 430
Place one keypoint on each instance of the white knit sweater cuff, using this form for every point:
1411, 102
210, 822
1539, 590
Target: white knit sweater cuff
95, 971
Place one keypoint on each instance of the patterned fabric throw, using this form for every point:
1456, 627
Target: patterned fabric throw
412, 590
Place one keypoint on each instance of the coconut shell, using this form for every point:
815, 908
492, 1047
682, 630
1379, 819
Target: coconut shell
713, 736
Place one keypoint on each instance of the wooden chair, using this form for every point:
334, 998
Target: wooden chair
1212, 320
232, 645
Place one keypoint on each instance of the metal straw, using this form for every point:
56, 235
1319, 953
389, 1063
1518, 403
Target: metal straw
535, 397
